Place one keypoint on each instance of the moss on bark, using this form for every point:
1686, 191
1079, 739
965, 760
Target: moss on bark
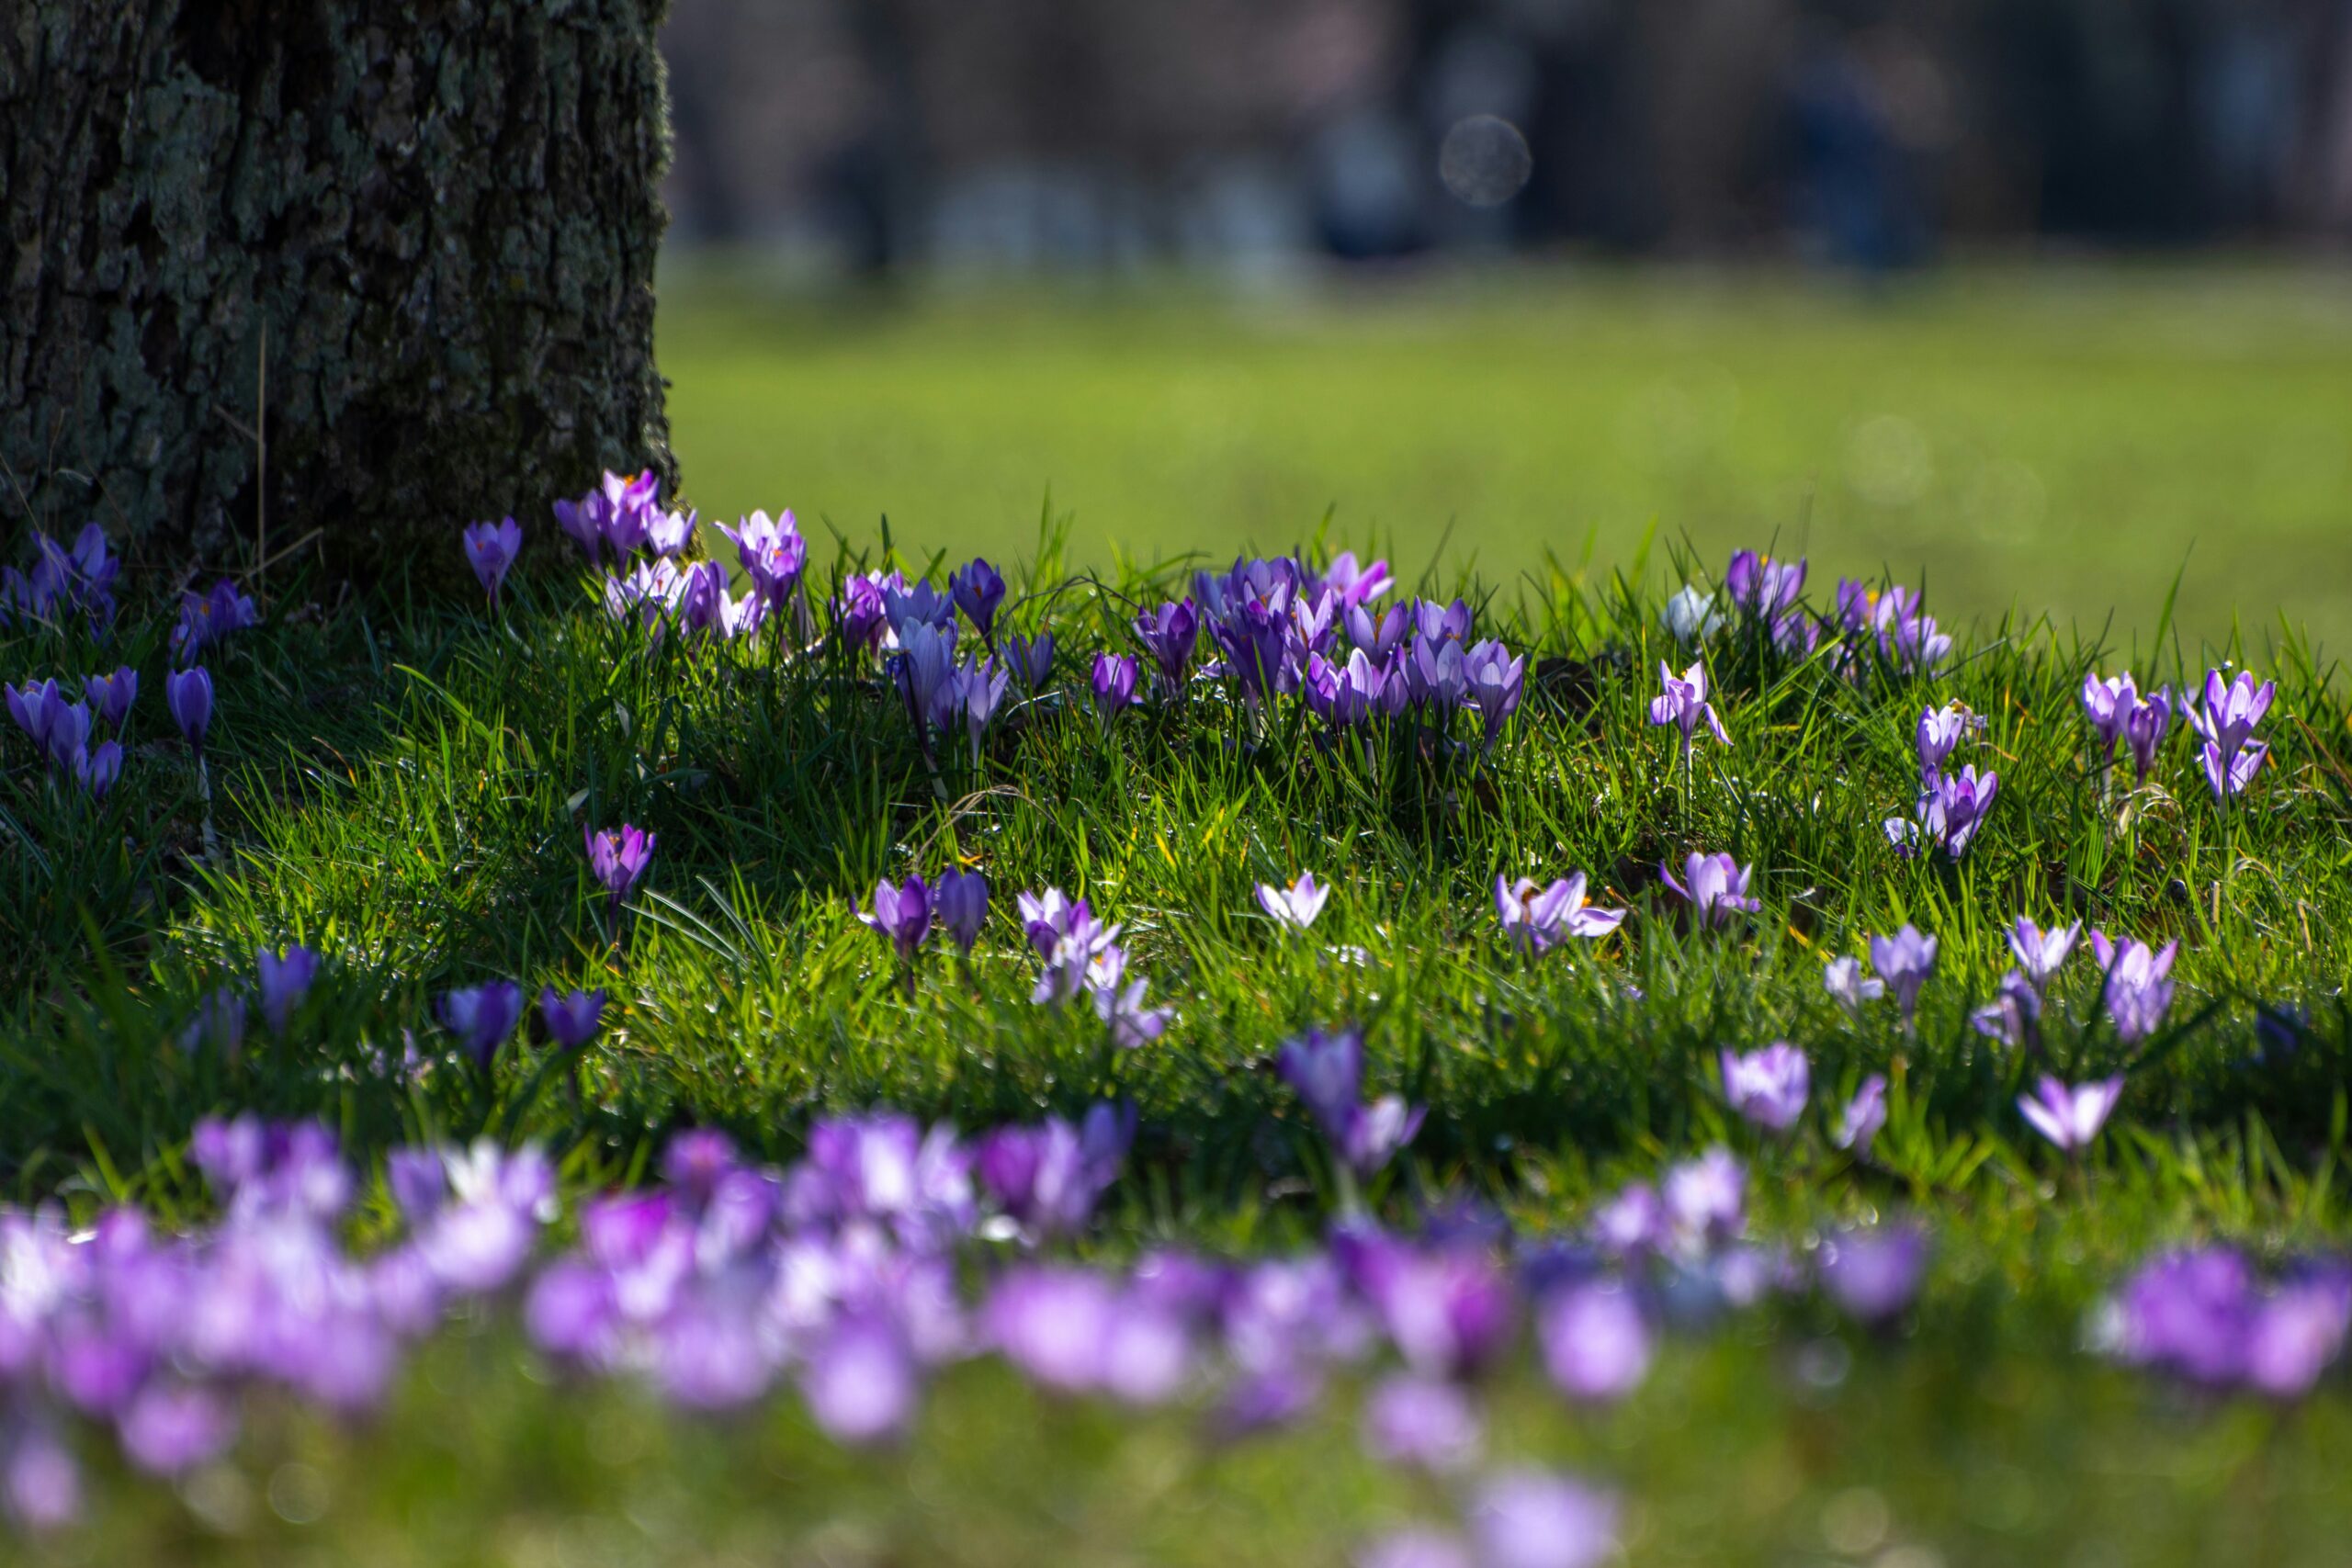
445, 212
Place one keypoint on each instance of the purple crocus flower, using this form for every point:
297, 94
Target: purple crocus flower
1940, 731
67, 731
1115, 684
1376, 638
1859, 1124
35, 708
1715, 887
902, 914
1767, 1087
652, 593
39, 1481
206, 618
490, 550
111, 696
1296, 906
286, 977
573, 1018
773, 553
2040, 954
1434, 674
1762, 586
1119, 1002
1527, 1519
1684, 703
1053, 1324
1448, 1307
1597, 1343
2241, 768
982, 688
617, 858
1168, 635
2070, 1117
2138, 987
1032, 660
1355, 584
1425, 1423
1055, 923
978, 590
2143, 731
1873, 1272
1495, 683
1327, 1072
482, 1017
2188, 1310
2014, 1015
188, 695
1630, 1223
1050, 1177
1538, 921
1843, 978
98, 770
2109, 705
907, 604
2297, 1332
667, 532
925, 670
1953, 806
627, 511
859, 608
582, 522
861, 1381
1436, 623
961, 902
170, 1428
2231, 710
1904, 961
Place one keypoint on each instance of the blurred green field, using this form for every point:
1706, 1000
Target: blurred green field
2063, 439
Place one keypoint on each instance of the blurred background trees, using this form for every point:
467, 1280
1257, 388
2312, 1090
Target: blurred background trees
873, 134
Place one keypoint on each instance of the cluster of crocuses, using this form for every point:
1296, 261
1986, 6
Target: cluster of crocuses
918, 626
63, 731
1536, 919
66, 733
2136, 987
1083, 957
158, 1335
480, 1019
1865, 624
2224, 723
2204, 1313
624, 518
1281, 628
1952, 803
851, 1278
75, 577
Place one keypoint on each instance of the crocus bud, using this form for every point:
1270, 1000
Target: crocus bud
188, 693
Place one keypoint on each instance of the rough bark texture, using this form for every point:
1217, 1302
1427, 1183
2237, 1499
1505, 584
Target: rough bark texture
445, 210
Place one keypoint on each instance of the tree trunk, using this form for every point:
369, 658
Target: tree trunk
407, 243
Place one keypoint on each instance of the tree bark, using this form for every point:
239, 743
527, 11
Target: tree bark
407, 243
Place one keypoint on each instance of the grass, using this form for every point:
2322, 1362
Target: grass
404, 786
2054, 440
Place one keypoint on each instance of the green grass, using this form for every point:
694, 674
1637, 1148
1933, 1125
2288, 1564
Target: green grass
2060, 440
403, 787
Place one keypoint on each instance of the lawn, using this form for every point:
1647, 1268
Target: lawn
404, 789
2064, 439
